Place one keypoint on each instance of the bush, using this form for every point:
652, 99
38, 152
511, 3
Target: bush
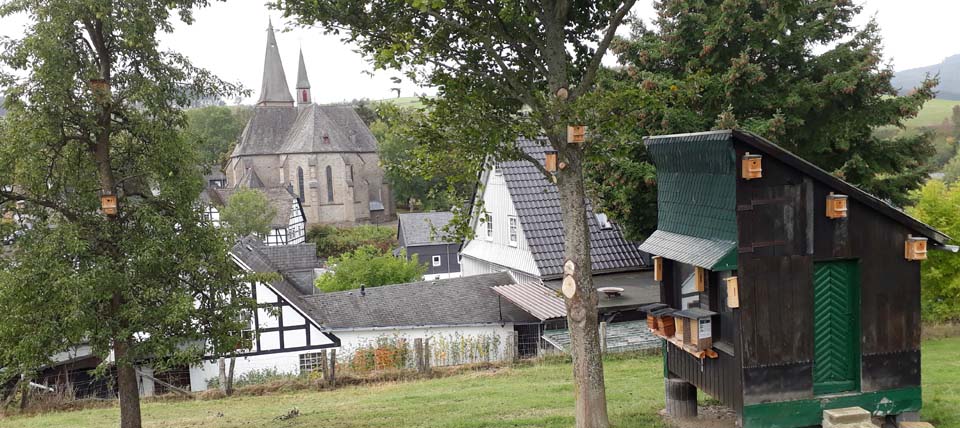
255, 377
369, 266
938, 205
333, 241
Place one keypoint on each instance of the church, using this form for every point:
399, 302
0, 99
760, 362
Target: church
323, 154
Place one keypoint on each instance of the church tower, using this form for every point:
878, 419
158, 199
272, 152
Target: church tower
274, 91
303, 84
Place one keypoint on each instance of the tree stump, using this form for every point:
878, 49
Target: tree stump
681, 398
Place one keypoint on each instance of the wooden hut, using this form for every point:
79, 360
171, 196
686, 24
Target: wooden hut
810, 287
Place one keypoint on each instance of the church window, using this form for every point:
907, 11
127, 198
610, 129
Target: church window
303, 192
329, 184
326, 138
351, 172
303, 95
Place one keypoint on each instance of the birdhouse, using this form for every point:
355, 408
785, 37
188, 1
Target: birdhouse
664, 322
698, 328
550, 161
100, 89
915, 248
836, 206
576, 134
649, 309
108, 204
733, 292
657, 268
701, 279
751, 166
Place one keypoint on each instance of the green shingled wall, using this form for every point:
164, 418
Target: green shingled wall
696, 185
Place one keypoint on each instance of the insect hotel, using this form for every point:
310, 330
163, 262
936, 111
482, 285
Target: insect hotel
785, 291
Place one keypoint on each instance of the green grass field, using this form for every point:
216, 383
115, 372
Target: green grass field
537, 396
934, 112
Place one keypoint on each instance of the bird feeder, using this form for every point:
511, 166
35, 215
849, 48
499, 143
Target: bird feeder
733, 292
836, 206
657, 268
698, 328
701, 279
576, 134
550, 162
108, 204
751, 166
915, 248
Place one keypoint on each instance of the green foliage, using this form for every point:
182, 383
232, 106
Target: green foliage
371, 267
215, 130
248, 212
938, 205
333, 241
758, 65
435, 189
255, 377
95, 107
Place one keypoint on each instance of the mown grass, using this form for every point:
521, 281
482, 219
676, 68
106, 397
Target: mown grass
934, 112
540, 395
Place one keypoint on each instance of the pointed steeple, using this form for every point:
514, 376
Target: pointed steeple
303, 83
274, 90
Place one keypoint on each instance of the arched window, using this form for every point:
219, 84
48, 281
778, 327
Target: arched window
329, 184
304, 95
303, 192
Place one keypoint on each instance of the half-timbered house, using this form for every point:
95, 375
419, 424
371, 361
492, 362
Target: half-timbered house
789, 291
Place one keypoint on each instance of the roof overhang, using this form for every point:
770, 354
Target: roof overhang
535, 299
711, 254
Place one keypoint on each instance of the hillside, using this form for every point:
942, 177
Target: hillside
538, 395
934, 112
949, 71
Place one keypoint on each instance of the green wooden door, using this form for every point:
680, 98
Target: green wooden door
836, 327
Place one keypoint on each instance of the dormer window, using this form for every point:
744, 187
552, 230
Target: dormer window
603, 221
489, 228
513, 230
326, 138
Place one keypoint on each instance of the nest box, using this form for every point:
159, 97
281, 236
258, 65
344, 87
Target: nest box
550, 161
915, 248
108, 204
733, 292
698, 328
657, 268
576, 134
701, 279
836, 206
751, 166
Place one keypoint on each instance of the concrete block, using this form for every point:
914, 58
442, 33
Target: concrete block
911, 424
845, 416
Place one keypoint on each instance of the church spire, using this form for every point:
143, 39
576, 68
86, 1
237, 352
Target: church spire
303, 83
274, 90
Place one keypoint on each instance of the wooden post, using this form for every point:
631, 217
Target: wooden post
418, 353
603, 337
426, 354
512, 352
681, 398
323, 366
333, 367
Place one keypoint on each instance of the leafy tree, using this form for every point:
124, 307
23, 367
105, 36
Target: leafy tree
938, 205
94, 108
955, 120
333, 241
215, 130
371, 267
503, 69
248, 212
757, 65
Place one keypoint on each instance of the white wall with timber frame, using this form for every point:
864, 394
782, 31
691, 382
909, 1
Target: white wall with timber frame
280, 332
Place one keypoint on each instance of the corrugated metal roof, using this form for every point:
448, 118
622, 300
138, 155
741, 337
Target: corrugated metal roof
534, 298
706, 253
621, 337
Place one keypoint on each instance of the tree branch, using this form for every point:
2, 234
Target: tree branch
591, 72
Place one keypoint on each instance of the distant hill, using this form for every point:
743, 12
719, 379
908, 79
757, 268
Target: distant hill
949, 70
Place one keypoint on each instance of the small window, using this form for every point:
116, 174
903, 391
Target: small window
603, 221
513, 230
436, 261
329, 184
311, 362
496, 170
489, 228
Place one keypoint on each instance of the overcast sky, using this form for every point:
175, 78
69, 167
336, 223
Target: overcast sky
229, 39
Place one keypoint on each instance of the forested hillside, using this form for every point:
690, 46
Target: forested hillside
949, 70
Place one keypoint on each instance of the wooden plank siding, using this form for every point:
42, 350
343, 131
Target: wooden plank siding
719, 377
782, 231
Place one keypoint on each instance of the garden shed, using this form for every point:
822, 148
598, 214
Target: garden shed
788, 291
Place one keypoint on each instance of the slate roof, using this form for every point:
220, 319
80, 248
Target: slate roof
274, 88
280, 198
454, 301
290, 261
303, 81
537, 202
639, 288
417, 228
287, 130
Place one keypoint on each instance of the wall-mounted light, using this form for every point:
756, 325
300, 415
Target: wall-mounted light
550, 161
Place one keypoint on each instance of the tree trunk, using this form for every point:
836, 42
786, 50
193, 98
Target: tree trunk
591, 400
24, 393
233, 364
222, 369
127, 386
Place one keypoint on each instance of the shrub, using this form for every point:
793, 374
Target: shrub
938, 205
333, 241
369, 266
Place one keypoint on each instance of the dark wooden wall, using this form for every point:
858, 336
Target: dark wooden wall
782, 231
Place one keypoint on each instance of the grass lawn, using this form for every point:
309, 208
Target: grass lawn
934, 112
537, 396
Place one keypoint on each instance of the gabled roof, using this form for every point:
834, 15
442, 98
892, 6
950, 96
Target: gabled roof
418, 228
455, 301
309, 129
697, 144
274, 88
537, 202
